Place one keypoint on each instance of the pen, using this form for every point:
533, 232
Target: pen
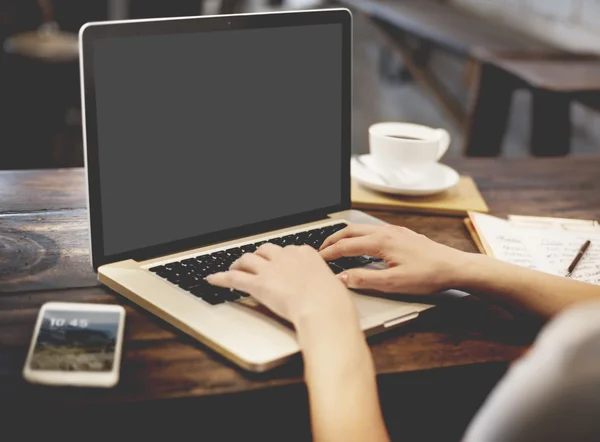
580, 254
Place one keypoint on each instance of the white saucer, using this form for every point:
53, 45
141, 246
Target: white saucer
440, 179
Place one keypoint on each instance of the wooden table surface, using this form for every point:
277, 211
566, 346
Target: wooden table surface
567, 75
44, 257
458, 30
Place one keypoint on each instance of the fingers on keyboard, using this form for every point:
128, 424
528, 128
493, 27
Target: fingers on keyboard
189, 273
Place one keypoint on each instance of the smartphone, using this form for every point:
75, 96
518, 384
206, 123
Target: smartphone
76, 344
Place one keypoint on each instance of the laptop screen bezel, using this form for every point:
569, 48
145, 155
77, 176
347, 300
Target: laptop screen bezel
94, 31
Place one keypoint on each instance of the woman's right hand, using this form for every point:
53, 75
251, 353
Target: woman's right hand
416, 264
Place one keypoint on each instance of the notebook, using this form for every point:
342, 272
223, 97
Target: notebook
545, 244
458, 201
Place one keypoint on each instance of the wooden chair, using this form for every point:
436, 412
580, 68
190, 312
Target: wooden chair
554, 82
439, 25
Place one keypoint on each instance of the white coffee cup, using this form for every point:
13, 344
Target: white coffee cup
404, 153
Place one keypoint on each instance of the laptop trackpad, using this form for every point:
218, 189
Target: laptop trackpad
372, 311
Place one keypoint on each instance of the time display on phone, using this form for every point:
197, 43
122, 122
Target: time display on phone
73, 340
61, 322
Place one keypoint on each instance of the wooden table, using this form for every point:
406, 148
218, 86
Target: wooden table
412, 28
554, 82
438, 368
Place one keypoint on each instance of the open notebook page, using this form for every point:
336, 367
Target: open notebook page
549, 250
503, 240
560, 249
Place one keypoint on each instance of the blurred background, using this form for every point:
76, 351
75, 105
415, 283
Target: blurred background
404, 55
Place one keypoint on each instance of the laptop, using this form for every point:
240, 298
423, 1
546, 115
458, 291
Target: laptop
206, 137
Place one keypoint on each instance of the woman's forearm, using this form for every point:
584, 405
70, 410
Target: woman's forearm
342, 388
526, 289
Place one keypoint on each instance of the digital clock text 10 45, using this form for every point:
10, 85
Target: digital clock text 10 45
60, 322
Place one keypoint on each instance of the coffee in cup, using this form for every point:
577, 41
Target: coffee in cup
404, 153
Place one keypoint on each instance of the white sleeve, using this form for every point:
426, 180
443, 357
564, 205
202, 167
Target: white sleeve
553, 393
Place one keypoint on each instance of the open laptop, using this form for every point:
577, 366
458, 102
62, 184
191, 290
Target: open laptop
206, 137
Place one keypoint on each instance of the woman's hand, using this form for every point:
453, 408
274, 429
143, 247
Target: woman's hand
294, 282
417, 265
297, 284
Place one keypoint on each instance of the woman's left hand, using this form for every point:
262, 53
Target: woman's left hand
294, 282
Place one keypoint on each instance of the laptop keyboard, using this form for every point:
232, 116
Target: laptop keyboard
189, 273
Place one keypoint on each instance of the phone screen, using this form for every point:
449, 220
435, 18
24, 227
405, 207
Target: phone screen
71, 340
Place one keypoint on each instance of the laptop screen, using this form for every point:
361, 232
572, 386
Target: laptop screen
203, 132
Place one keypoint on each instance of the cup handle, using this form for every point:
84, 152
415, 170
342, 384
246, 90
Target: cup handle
444, 142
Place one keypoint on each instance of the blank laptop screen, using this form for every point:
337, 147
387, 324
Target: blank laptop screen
208, 131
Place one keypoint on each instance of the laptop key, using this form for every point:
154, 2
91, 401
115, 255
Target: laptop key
173, 277
335, 268
220, 294
204, 272
326, 231
218, 290
187, 282
318, 243
351, 262
287, 240
199, 289
229, 295
302, 236
193, 272
160, 271
220, 255
193, 267
315, 244
276, 241
176, 266
338, 227
212, 298
205, 291
299, 240
221, 267
234, 253
362, 260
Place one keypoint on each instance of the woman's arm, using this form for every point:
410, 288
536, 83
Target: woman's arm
529, 290
418, 265
339, 373
298, 285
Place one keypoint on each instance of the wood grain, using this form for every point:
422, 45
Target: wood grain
42, 190
555, 74
457, 201
567, 188
45, 250
160, 362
